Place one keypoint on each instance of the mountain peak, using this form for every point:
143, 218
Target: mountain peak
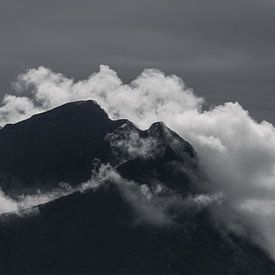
55, 146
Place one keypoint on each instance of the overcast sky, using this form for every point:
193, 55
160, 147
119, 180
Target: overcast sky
225, 50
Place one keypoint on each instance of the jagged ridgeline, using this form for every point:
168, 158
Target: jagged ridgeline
141, 219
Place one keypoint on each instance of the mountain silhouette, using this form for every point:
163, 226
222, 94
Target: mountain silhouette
140, 219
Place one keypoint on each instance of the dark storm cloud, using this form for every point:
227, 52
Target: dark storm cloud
223, 49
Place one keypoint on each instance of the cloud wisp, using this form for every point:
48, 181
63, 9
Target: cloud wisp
236, 152
23, 204
156, 204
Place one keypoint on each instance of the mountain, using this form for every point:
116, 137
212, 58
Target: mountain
141, 218
61, 145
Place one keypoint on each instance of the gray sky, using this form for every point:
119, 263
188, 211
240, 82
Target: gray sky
225, 50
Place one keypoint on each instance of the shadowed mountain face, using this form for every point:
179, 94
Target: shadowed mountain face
136, 221
56, 146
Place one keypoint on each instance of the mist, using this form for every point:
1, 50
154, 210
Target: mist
236, 152
27, 203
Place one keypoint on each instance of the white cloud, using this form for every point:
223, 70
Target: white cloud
7, 204
151, 94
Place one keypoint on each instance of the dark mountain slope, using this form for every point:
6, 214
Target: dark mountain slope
58, 145
94, 233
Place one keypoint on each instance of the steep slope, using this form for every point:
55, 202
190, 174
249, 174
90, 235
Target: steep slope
94, 233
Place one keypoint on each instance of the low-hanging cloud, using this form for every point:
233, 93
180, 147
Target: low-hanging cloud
155, 204
237, 152
26, 204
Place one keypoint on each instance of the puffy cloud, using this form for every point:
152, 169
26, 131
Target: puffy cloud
16, 108
237, 152
150, 95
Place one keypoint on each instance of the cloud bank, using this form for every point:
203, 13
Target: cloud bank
237, 152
